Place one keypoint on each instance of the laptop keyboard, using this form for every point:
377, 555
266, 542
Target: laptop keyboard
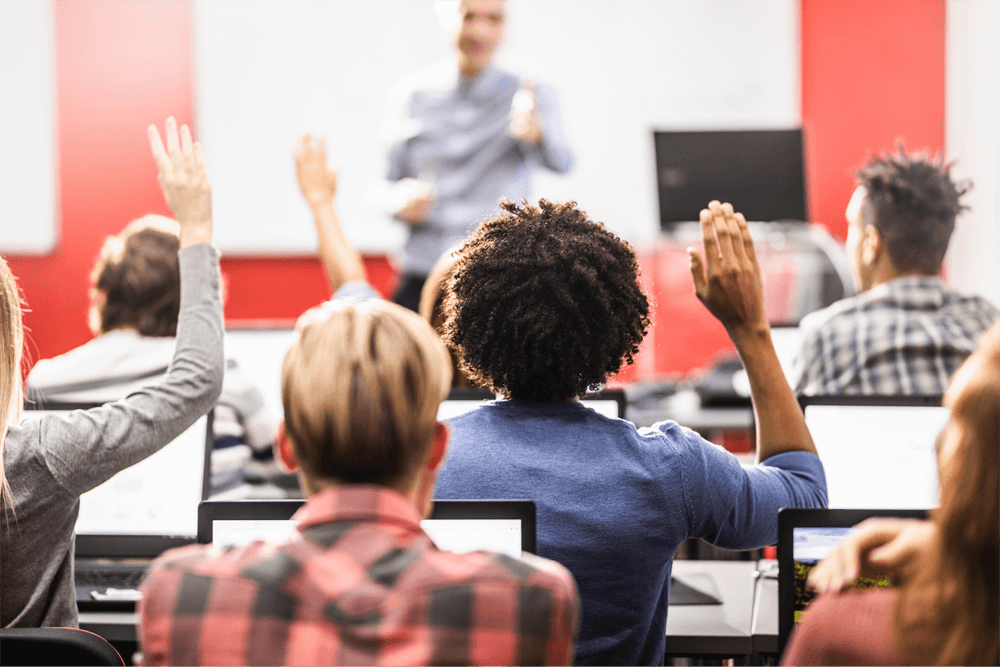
101, 576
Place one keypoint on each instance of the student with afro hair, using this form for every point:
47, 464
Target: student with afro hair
544, 305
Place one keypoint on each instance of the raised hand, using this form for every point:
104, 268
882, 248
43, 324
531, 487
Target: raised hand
728, 280
184, 181
878, 545
317, 181
524, 123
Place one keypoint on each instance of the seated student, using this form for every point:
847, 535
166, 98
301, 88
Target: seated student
359, 582
136, 293
945, 609
543, 306
48, 463
906, 332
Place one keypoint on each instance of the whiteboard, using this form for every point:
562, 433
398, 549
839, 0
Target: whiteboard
28, 203
265, 72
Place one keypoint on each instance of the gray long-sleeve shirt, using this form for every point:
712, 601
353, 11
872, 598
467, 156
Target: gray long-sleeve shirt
50, 462
453, 132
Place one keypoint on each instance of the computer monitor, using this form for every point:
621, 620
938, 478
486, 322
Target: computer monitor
505, 526
150, 506
878, 452
759, 171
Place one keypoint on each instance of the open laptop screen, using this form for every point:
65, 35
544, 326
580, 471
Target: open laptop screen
455, 525
807, 536
877, 452
157, 496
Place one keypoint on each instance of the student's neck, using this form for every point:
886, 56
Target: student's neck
883, 277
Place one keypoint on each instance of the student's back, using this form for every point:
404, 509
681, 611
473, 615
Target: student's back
544, 304
50, 462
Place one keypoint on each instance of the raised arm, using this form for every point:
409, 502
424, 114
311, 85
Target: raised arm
728, 282
319, 185
84, 448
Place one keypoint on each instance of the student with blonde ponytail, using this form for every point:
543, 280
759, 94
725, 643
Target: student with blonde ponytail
50, 461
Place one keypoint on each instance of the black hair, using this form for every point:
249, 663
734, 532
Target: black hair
913, 202
544, 304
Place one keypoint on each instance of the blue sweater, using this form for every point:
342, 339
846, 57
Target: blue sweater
615, 502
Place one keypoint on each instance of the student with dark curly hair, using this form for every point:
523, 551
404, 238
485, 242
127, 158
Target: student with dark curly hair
544, 305
906, 332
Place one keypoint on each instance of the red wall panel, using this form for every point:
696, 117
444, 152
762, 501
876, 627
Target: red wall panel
872, 72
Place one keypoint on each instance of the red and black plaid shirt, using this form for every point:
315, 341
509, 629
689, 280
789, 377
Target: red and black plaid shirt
359, 583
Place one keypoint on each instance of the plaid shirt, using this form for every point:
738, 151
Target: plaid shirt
359, 583
906, 336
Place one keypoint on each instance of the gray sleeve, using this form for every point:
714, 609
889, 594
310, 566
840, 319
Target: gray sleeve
554, 150
87, 447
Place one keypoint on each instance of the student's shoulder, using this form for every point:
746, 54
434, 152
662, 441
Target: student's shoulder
488, 574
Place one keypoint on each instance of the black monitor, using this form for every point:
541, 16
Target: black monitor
761, 172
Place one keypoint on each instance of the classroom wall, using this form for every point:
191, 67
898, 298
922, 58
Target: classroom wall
870, 71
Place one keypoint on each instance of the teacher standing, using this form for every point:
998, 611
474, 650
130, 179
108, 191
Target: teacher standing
462, 135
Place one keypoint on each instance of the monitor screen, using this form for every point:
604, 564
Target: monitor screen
458, 535
157, 496
878, 456
759, 171
811, 545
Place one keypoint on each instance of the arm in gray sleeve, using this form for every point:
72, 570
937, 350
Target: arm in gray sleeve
736, 507
87, 447
554, 151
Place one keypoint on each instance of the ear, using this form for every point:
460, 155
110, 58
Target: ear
871, 245
438, 448
284, 451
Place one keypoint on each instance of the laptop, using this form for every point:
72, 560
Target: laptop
878, 452
136, 515
259, 350
805, 537
505, 526
608, 402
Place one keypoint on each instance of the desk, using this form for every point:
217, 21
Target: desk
713, 630
115, 626
764, 625
692, 630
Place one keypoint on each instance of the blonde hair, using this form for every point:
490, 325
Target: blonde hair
11, 346
361, 388
948, 605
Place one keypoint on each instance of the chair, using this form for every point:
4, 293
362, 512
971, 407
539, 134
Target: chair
55, 646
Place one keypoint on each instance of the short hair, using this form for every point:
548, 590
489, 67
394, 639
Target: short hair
139, 277
361, 388
544, 304
913, 202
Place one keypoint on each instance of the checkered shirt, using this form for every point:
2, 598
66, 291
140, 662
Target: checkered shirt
906, 336
359, 583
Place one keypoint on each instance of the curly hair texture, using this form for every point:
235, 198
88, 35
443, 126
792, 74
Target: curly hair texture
544, 304
913, 202
138, 280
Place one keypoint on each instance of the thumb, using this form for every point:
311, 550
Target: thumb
697, 270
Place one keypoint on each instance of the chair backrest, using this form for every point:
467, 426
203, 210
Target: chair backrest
55, 646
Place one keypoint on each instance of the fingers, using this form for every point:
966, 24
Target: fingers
199, 161
697, 270
173, 145
159, 152
726, 229
708, 238
748, 247
187, 150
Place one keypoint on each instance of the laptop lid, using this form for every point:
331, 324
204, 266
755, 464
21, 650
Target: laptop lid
805, 537
507, 526
877, 451
149, 507
259, 350
608, 402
